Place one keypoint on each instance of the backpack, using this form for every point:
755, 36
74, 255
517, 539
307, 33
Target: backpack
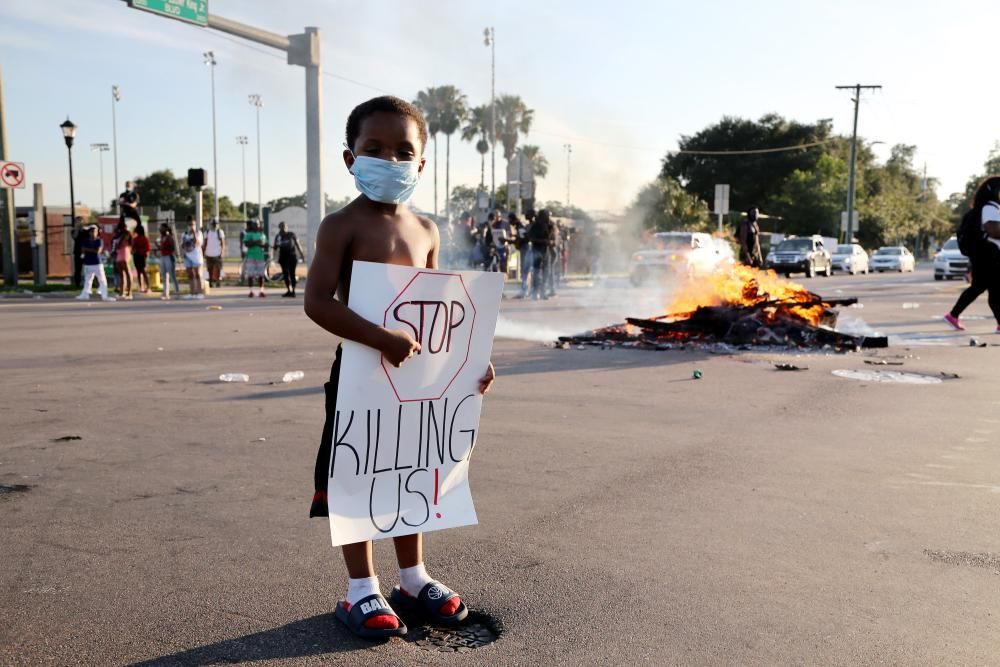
971, 239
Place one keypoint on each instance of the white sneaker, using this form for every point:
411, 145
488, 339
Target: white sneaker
108, 298
83, 297
188, 297
199, 296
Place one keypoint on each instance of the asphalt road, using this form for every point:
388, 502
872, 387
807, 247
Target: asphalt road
628, 514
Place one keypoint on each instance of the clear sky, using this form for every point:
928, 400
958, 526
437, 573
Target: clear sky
620, 81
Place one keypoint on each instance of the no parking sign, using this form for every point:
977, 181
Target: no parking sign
12, 174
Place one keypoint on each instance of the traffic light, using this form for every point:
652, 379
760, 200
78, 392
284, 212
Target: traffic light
197, 178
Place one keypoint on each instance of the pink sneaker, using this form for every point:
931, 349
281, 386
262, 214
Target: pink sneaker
953, 321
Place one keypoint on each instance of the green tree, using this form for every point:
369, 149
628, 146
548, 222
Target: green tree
560, 210
452, 110
463, 199
754, 179
810, 201
539, 164
428, 102
161, 188
477, 128
664, 205
513, 119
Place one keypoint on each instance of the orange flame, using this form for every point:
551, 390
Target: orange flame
742, 285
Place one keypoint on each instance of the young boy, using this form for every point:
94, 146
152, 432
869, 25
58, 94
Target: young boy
386, 137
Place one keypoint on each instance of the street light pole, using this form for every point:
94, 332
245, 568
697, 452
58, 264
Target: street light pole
257, 102
209, 59
851, 178
69, 131
242, 141
101, 149
569, 166
116, 95
489, 40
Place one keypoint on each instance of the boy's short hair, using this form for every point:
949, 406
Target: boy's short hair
387, 104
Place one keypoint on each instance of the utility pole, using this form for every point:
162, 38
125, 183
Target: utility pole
851, 179
490, 40
256, 101
9, 237
209, 59
116, 95
101, 149
242, 141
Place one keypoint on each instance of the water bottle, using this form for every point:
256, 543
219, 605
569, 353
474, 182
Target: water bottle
234, 377
292, 376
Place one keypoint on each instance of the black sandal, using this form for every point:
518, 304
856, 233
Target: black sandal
429, 602
373, 605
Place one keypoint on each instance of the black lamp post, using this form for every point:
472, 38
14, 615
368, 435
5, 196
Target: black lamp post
69, 131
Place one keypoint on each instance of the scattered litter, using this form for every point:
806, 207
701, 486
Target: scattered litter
292, 376
696, 375
213, 308
159, 349
883, 362
909, 305
856, 305
790, 367
234, 377
262, 439
13, 488
975, 342
949, 376
896, 377
66, 438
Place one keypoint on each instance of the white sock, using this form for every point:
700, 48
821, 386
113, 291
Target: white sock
413, 579
359, 589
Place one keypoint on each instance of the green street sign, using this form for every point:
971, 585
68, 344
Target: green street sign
190, 11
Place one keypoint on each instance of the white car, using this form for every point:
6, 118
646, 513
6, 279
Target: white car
893, 258
950, 262
850, 257
686, 253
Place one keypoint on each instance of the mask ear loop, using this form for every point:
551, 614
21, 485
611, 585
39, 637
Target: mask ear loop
352, 155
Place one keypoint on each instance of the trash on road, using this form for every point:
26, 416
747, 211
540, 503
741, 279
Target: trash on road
909, 305
790, 367
234, 377
67, 438
696, 375
883, 362
292, 376
213, 308
887, 377
975, 342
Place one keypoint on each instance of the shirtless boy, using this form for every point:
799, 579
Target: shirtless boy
386, 137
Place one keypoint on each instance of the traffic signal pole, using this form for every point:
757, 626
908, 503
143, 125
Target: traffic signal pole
851, 178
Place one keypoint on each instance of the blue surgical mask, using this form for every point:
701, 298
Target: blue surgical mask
385, 181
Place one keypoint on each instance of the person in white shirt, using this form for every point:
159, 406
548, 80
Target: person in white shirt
985, 262
191, 242
214, 248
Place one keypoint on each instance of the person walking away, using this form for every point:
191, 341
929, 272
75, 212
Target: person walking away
256, 261
748, 236
527, 256
552, 271
289, 250
79, 234
128, 203
91, 246
214, 249
121, 249
168, 265
499, 234
979, 240
191, 242
539, 236
140, 254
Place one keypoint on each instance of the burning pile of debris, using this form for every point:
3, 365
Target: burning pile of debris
742, 307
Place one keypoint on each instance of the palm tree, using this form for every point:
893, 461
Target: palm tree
513, 118
477, 128
539, 163
452, 110
427, 102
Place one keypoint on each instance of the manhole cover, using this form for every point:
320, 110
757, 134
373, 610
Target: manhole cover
13, 488
478, 630
887, 377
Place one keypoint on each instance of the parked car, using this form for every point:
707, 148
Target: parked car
950, 262
687, 253
893, 258
800, 255
850, 257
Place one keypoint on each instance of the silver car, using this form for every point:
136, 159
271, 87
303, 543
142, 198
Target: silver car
893, 258
950, 262
850, 257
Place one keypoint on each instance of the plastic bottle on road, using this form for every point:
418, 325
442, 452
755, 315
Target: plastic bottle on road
234, 377
292, 376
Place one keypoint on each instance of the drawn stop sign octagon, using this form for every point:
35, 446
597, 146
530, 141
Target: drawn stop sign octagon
436, 309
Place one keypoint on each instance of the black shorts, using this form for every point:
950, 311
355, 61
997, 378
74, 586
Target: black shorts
140, 262
321, 476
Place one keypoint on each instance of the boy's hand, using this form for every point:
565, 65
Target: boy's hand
398, 346
486, 381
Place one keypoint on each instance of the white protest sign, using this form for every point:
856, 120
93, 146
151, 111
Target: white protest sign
403, 437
